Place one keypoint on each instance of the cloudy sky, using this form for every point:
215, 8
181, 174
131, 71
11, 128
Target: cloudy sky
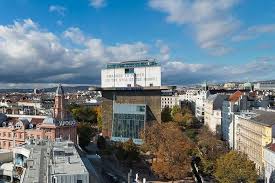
69, 41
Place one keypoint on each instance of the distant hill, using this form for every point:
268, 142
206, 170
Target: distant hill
69, 89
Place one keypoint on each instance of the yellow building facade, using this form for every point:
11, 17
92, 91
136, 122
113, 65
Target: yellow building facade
253, 133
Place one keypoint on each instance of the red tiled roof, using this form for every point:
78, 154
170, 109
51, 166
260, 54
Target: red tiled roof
272, 147
235, 96
36, 121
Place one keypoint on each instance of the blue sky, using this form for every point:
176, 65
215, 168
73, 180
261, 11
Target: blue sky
45, 42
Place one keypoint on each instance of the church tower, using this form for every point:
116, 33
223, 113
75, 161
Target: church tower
59, 104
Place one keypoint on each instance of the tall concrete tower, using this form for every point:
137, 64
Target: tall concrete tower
59, 104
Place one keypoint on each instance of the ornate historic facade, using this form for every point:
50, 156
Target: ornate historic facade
17, 128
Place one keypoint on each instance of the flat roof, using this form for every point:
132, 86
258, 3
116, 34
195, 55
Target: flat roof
131, 88
132, 64
66, 161
266, 118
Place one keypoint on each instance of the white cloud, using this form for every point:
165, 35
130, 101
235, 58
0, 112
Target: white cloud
211, 20
29, 54
97, 3
57, 9
59, 22
254, 31
179, 72
74, 34
164, 50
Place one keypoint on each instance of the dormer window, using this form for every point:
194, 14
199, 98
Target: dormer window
18, 125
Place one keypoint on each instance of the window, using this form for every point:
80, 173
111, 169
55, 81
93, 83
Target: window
79, 181
129, 70
141, 108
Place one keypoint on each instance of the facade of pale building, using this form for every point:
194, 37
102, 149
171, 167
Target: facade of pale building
169, 99
269, 162
236, 103
212, 112
143, 73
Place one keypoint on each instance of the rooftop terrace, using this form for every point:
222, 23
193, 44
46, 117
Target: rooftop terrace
132, 64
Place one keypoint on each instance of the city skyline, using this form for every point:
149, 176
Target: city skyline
194, 41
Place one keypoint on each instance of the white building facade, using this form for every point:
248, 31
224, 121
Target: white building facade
143, 73
269, 160
212, 112
169, 99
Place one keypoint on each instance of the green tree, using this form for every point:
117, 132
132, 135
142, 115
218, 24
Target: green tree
211, 148
166, 115
235, 167
99, 117
175, 110
85, 133
128, 151
101, 142
84, 114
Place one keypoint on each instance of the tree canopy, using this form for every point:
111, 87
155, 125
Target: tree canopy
84, 113
211, 148
166, 114
235, 167
85, 133
171, 150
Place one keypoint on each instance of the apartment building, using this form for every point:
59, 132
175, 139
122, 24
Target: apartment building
236, 102
254, 130
269, 162
19, 128
169, 99
213, 112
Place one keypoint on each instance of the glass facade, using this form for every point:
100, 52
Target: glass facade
128, 125
128, 122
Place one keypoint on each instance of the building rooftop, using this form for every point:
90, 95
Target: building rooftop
132, 64
235, 96
271, 147
131, 88
59, 90
266, 118
61, 158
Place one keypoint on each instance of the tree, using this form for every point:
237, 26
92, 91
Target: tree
175, 110
85, 133
211, 148
235, 167
101, 142
128, 151
171, 149
166, 115
99, 117
178, 118
84, 114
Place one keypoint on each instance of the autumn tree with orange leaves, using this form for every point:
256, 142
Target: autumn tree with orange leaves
171, 150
